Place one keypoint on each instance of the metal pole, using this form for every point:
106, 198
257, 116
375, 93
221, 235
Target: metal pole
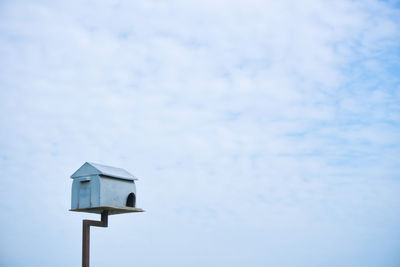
86, 236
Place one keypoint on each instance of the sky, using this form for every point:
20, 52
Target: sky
263, 133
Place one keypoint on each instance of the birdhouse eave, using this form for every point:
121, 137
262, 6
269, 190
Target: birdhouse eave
90, 169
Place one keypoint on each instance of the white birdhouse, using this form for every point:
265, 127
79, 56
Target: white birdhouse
97, 188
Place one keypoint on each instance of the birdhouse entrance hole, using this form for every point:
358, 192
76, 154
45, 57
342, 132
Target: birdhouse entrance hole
131, 201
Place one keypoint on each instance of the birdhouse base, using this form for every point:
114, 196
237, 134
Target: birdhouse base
111, 210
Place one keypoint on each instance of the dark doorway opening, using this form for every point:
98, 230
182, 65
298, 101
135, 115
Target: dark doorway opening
131, 201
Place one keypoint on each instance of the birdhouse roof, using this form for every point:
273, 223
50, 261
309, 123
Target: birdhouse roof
90, 168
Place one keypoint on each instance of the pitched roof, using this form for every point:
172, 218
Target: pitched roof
90, 168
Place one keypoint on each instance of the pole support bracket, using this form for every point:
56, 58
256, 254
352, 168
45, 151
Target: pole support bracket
86, 236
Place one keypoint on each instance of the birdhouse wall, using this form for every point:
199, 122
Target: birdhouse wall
114, 192
85, 192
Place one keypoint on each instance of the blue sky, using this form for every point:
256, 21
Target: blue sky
264, 133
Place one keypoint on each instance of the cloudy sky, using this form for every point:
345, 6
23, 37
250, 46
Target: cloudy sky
264, 133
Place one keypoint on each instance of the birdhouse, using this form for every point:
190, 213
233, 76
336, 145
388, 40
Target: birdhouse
97, 188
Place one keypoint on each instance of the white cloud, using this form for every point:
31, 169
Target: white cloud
264, 133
